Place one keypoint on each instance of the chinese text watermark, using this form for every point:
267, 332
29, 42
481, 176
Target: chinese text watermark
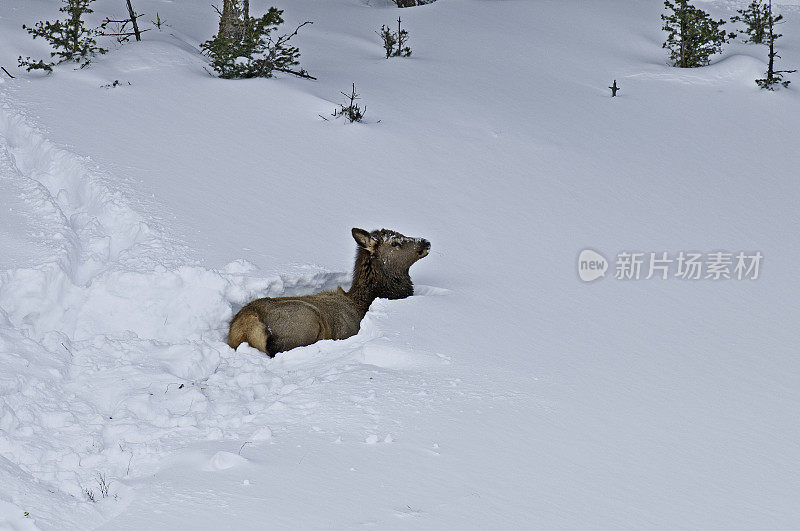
683, 265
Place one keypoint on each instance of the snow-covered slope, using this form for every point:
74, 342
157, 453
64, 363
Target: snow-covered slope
506, 392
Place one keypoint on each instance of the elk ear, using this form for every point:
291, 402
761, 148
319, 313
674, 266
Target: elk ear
364, 239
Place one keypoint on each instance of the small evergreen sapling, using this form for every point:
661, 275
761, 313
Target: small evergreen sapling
755, 18
71, 39
351, 110
133, 19
158, 22
389, 40
773, 77
693, 36
395, 43
252, 51
119, 28
402, 38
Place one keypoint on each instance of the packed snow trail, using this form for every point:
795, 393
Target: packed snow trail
113, 348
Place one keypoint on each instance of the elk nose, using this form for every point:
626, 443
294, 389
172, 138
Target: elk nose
425, 246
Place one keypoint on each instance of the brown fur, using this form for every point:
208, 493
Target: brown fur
278, 324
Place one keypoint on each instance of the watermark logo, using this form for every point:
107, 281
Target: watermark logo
591, 265
683, 265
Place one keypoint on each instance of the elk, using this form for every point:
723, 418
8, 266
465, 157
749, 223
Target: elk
277, 324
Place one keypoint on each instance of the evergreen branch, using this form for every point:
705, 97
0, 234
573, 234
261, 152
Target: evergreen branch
283, 39
131, 34
298, 73
126, 21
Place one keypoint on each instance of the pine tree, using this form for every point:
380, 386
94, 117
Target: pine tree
351, 111
245, 48
755, 17
693, 36
71, 39
394, 43
389, 40
231, 19
773, 77
402, 39
119, 28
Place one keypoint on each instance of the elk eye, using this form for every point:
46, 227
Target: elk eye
395, 244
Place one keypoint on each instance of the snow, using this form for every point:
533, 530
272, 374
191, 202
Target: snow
137, 219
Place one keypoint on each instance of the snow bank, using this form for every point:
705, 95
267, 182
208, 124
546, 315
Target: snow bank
113, 349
